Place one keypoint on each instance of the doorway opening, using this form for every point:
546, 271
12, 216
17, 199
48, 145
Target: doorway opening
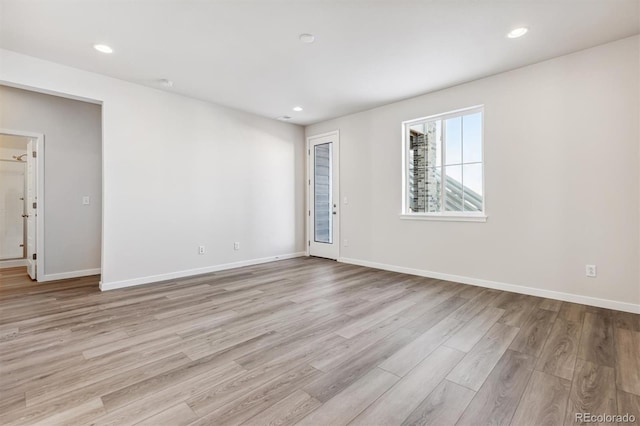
21, 178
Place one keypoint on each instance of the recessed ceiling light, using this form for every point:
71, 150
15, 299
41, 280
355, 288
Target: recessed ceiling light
103, 48
284, 118
166, 82
297, 109
518, 32
307, 38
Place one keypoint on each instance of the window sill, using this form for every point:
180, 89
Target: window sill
445, 217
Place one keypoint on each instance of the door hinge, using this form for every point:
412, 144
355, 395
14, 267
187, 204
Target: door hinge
34, 154
35, 205
34, 256
309, 152
309, 212
309, 182
309, 243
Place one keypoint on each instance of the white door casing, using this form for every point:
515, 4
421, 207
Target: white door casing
31, 208
324, 195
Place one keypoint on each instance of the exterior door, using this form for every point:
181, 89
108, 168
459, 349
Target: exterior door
324, 196
31, 208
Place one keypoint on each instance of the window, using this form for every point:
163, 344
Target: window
443, 167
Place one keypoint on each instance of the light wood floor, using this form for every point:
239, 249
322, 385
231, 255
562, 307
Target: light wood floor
307, 341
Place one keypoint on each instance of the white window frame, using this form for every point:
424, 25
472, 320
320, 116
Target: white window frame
443, 215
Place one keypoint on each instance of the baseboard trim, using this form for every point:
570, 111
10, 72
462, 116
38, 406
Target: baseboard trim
67, 275
514, 288
13, 263
190, 272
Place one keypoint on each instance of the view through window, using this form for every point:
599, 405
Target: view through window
444, 164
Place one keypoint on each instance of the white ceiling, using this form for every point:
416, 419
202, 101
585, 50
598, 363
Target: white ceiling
246, 54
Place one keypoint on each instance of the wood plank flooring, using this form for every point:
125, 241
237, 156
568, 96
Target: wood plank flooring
310, 342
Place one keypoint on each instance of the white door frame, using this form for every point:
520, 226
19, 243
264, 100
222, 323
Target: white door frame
39, 148
336, 172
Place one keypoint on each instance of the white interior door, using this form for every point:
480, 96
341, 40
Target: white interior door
324, 196
31, 208
12, 228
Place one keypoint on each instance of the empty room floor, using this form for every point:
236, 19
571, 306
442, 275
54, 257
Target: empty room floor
307, 341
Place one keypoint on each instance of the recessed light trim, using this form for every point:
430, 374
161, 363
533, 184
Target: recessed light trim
297, 108
518, 32
103, 48
166, 82
307, 38
284, 118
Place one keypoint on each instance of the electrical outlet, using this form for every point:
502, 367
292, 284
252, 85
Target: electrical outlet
591, 271
201, 250
86, 200
236, 246
345, 243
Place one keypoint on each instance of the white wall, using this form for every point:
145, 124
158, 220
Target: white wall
179, 173
72, 134
562, 163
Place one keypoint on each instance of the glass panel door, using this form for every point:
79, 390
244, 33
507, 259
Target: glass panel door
323, 225
323, 198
